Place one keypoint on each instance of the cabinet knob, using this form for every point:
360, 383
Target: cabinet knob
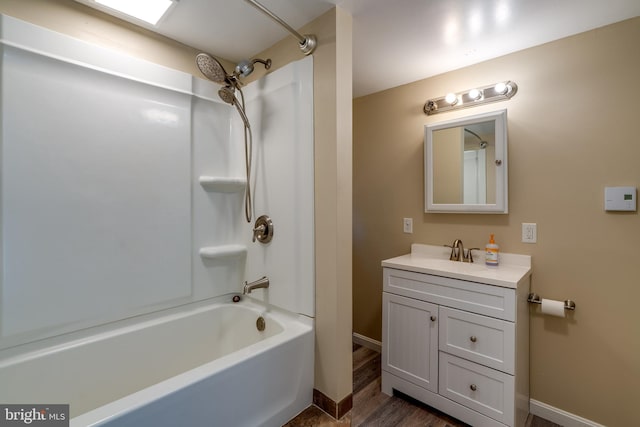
473, 387
473, 338
433, 318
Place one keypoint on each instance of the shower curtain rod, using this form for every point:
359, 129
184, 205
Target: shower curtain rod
307, 42
473, 133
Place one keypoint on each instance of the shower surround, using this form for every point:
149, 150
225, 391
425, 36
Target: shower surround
122, 201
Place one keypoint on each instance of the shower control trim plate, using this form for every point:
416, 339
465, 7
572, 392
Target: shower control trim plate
263, 229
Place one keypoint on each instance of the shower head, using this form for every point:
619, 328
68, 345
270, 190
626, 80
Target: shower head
212, 68
245, 67
227, 94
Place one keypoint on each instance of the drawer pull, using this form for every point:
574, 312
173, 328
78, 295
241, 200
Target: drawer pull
473, 387
433, 318
473, 338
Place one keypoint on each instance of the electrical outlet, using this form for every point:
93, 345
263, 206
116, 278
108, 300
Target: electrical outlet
407, 225
529, 232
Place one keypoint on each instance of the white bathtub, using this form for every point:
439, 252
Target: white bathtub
203, 366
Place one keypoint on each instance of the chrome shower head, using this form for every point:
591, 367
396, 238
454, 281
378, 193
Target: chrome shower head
212, 68
227, 94
245, 67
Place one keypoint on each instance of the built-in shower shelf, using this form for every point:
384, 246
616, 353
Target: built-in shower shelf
222, 184
224, 251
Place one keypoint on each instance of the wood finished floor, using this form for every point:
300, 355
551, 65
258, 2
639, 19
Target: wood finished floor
372, 408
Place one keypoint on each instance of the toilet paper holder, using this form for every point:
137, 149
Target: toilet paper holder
535, 299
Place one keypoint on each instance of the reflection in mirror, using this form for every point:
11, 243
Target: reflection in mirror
465, 164
479, 148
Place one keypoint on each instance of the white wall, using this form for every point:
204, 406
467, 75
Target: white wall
102, 210
280, 109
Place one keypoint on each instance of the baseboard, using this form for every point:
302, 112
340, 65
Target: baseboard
336, 409
559, 416
367, 342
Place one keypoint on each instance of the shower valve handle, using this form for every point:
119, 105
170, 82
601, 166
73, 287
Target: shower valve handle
263, 230
258, 231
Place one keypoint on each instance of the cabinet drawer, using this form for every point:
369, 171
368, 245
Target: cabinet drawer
494, 301
482, 389
480, 339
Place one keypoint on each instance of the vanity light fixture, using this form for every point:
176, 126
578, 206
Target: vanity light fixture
470, 98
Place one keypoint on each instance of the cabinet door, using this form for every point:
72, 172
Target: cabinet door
410, 340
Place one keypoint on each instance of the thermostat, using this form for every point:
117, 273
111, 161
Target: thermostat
620, 198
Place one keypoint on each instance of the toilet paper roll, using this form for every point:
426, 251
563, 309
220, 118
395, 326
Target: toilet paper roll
553, 307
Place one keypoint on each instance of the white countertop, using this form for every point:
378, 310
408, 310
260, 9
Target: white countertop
429, 259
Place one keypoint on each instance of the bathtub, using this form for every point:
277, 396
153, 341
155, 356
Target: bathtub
200, 366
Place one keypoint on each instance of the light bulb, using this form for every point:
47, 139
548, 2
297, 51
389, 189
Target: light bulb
451, 99
475, 94
501, 88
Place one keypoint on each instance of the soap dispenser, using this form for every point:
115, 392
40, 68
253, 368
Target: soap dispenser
491, 252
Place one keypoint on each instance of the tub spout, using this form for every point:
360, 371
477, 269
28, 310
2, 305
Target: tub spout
263, 282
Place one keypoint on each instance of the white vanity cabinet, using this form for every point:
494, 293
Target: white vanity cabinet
456, 336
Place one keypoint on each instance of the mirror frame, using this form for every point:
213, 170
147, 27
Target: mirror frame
501, 206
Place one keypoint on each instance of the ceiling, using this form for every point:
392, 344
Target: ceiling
395, 41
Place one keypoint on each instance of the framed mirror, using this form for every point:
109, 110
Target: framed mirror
466, 164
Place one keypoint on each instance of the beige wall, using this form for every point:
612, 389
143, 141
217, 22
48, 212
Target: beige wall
333, 148
573, 129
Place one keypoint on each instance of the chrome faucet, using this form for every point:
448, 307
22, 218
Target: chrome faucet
262, 282
457, 250
458, 253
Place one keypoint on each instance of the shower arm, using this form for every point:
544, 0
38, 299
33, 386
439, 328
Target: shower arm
307, 42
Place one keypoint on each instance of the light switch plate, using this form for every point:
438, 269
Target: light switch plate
407, 225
